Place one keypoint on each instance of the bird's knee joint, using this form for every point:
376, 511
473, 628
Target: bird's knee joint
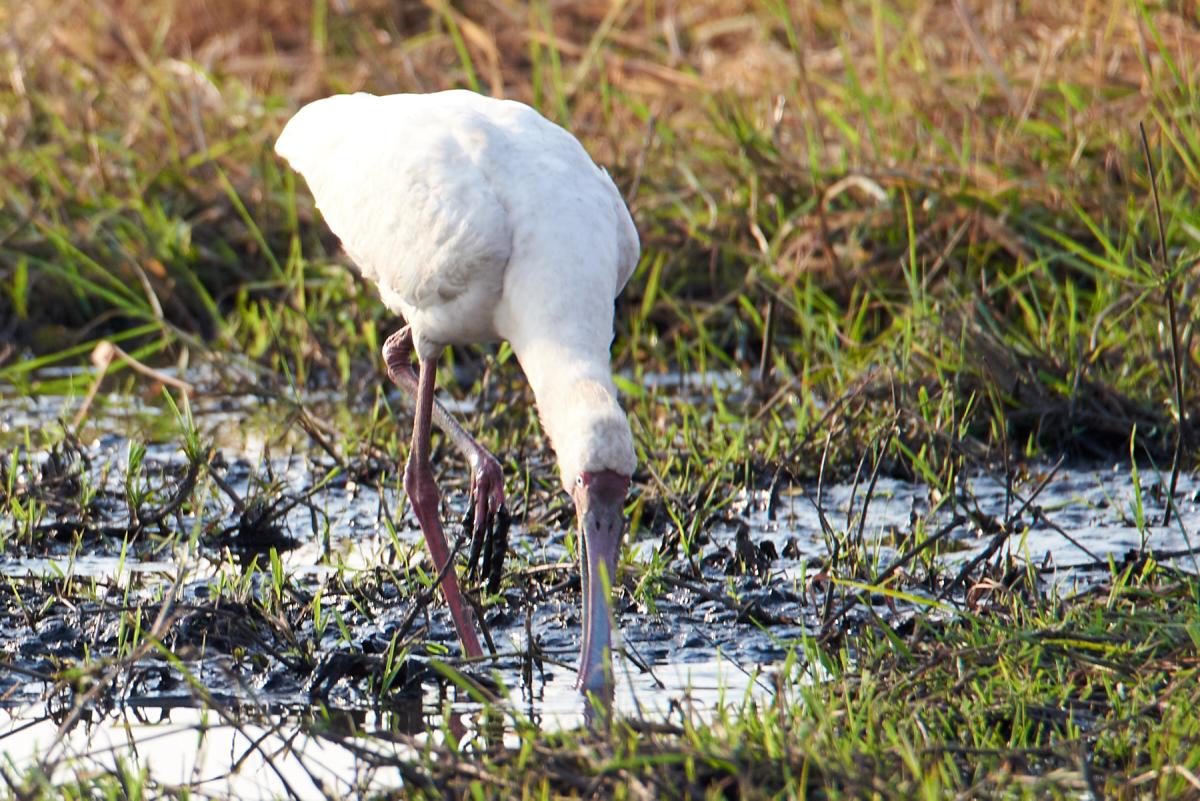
396, 358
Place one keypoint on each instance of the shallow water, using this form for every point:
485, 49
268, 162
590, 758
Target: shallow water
286, 756
185, 746
689, 648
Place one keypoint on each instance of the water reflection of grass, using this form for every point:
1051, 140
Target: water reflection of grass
940, 211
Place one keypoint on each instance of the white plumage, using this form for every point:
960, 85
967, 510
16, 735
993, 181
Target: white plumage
481, 220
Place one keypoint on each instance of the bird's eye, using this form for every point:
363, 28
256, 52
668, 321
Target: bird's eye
579, 481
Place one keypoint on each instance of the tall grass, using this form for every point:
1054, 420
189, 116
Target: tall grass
944, 202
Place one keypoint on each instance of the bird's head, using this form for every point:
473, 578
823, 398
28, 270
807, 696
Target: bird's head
599, 507
596, 457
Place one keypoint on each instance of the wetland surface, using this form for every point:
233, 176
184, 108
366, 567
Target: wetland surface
253, 620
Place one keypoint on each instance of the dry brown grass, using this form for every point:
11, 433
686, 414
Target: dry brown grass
669, 56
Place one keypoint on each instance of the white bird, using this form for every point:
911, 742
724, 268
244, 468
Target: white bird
481, 220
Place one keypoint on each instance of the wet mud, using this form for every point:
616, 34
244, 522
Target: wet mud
292, 594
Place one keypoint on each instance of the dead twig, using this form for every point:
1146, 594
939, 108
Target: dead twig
1168, 278
103, 355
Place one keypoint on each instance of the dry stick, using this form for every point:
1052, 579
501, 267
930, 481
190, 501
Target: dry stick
1103, 564
985, 55
764, 358
484, 629
862, 517
137, 522
422, 601
104, 354
829, 417
28, 673
548, 567
899, 564
311, 428
155, 640
947, 250
237, 725
827, 238
1039, 516
1006, 531
639, 162
182, 493
239, 505
256, 747
770, 403
162, 622
1168, 273
826, 529
862, 460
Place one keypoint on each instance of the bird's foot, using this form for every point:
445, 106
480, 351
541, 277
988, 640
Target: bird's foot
488, 520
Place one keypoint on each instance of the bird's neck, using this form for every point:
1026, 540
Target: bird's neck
578, 405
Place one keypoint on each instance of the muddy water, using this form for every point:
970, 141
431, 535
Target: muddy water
687, 646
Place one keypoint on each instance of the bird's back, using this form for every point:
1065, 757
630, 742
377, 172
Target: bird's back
445, 200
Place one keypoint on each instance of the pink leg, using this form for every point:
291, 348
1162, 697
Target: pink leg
487, 479
423, 495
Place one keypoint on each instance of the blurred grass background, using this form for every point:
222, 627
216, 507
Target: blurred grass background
942, 207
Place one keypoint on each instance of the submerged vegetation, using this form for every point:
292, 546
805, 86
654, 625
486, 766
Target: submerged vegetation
912, 239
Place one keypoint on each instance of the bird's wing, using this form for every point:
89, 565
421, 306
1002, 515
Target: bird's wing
414, 211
